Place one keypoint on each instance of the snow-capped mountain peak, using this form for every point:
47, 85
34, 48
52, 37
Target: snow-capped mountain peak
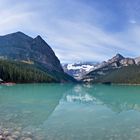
77, 70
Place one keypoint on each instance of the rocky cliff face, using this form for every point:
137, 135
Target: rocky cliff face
137, 60
127, 62
116, 58
20, 47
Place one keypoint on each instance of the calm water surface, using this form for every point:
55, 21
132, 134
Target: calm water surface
72, 112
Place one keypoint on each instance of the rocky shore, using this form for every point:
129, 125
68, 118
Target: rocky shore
17, 134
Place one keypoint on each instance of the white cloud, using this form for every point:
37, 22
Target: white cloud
133, 21
73, 38
14, 18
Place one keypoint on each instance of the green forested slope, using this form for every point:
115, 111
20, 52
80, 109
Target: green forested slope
128, 75
19, 72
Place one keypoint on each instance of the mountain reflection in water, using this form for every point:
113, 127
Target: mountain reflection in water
73, 111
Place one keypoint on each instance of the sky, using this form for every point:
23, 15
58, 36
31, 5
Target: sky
77, 30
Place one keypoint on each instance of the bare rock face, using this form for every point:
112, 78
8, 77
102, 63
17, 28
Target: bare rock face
43, 53
18, 46
120, 61
112, 63
127, 62
116, 58
137, 60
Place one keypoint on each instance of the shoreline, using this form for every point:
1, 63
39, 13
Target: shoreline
15, 134
127, 84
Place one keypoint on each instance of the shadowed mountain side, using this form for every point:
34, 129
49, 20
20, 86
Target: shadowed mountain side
34, 51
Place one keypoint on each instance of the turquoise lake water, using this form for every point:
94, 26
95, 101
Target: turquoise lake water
72, 112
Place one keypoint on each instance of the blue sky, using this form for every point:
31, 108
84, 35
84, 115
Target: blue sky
77, 30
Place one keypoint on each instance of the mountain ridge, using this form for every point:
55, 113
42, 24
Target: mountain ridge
109, 71
23, 48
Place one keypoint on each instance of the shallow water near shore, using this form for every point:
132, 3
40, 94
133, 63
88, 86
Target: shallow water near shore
71, 111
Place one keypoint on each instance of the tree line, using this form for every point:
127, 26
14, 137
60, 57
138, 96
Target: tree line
19, 72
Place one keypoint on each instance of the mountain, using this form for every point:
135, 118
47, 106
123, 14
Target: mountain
36, 52
116, 70
78, 70
118, 57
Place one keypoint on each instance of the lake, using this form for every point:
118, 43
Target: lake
71, 111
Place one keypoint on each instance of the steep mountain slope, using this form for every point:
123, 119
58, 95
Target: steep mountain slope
116, 70
18, 46
128, 75
34, 51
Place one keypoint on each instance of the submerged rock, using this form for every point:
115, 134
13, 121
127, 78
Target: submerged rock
17, 133
15, 136
10, 138
6, 133
1, 137
27, 139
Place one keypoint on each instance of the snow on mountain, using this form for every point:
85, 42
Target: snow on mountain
84, 67
77, 70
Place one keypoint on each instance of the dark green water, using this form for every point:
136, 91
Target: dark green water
72, 112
